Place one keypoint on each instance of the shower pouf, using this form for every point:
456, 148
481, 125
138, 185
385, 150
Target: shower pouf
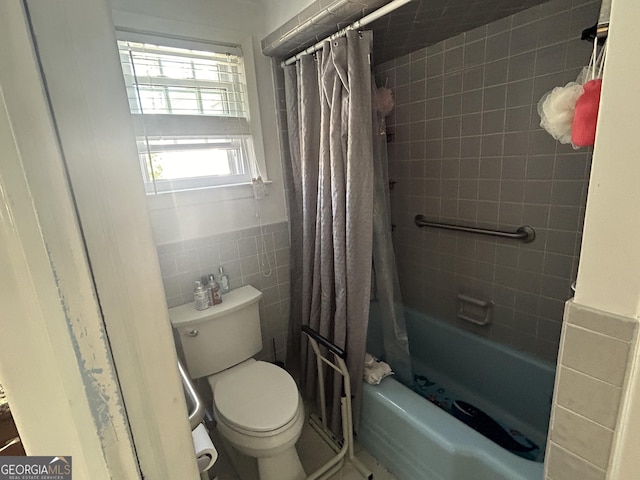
556, 110
583, 131
384, 100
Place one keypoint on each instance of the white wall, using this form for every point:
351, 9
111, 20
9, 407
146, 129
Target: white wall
55, 358
280, 11
187, 215
51, 409
236, 16
76, 40
609, 272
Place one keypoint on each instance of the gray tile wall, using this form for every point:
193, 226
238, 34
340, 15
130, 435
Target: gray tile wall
252, 256
466, 147
588, 396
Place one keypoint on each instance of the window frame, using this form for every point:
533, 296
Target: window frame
251, 137
160, 186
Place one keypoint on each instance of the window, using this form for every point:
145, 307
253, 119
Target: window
190, 112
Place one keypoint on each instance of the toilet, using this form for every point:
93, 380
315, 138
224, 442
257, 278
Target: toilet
256, 404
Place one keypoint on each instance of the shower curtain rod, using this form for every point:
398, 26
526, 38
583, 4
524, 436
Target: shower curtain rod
366, 20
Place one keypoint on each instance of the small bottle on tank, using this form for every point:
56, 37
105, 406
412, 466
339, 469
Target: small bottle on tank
223, 280
201, 296
214, 291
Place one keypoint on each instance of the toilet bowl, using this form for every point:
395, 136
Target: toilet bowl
260, 413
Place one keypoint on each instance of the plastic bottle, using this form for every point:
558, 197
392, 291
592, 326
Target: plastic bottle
214, 291
223, 280
201, 296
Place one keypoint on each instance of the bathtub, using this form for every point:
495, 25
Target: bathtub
415, 440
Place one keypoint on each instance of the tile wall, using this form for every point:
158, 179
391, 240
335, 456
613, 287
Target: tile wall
588, 392
252, 256
521, 57
466, 147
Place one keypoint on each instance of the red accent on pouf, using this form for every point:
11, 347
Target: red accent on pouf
583, 128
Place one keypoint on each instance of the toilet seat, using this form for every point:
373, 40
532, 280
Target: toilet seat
260, 398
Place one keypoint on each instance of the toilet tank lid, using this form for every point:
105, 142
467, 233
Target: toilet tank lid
185, 315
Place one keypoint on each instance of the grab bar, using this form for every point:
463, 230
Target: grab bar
332, 347
194, 402
525, 233
8, 443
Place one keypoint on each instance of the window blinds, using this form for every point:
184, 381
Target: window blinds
178, 91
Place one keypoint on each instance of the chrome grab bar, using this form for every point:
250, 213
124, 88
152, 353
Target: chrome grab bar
194, 402
525, 233
8, 443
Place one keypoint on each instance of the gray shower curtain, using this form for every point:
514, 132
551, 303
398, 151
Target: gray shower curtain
329, 115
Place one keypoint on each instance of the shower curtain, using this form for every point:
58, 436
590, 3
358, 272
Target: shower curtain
331, 206
387, 337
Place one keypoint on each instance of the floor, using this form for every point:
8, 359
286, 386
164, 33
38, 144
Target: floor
313, 452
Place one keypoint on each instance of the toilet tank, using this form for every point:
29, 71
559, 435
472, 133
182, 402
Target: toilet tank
221, 336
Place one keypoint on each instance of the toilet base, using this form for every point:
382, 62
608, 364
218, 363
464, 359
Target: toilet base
284, 466
246, 467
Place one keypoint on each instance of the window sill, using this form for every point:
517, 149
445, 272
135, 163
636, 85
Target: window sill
217, 193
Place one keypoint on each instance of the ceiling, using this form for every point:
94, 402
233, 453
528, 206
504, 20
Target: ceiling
425, 22
417, 24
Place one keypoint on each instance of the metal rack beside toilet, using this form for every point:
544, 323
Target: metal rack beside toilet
344, 448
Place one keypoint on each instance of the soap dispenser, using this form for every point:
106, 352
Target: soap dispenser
214, 291
223, 280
